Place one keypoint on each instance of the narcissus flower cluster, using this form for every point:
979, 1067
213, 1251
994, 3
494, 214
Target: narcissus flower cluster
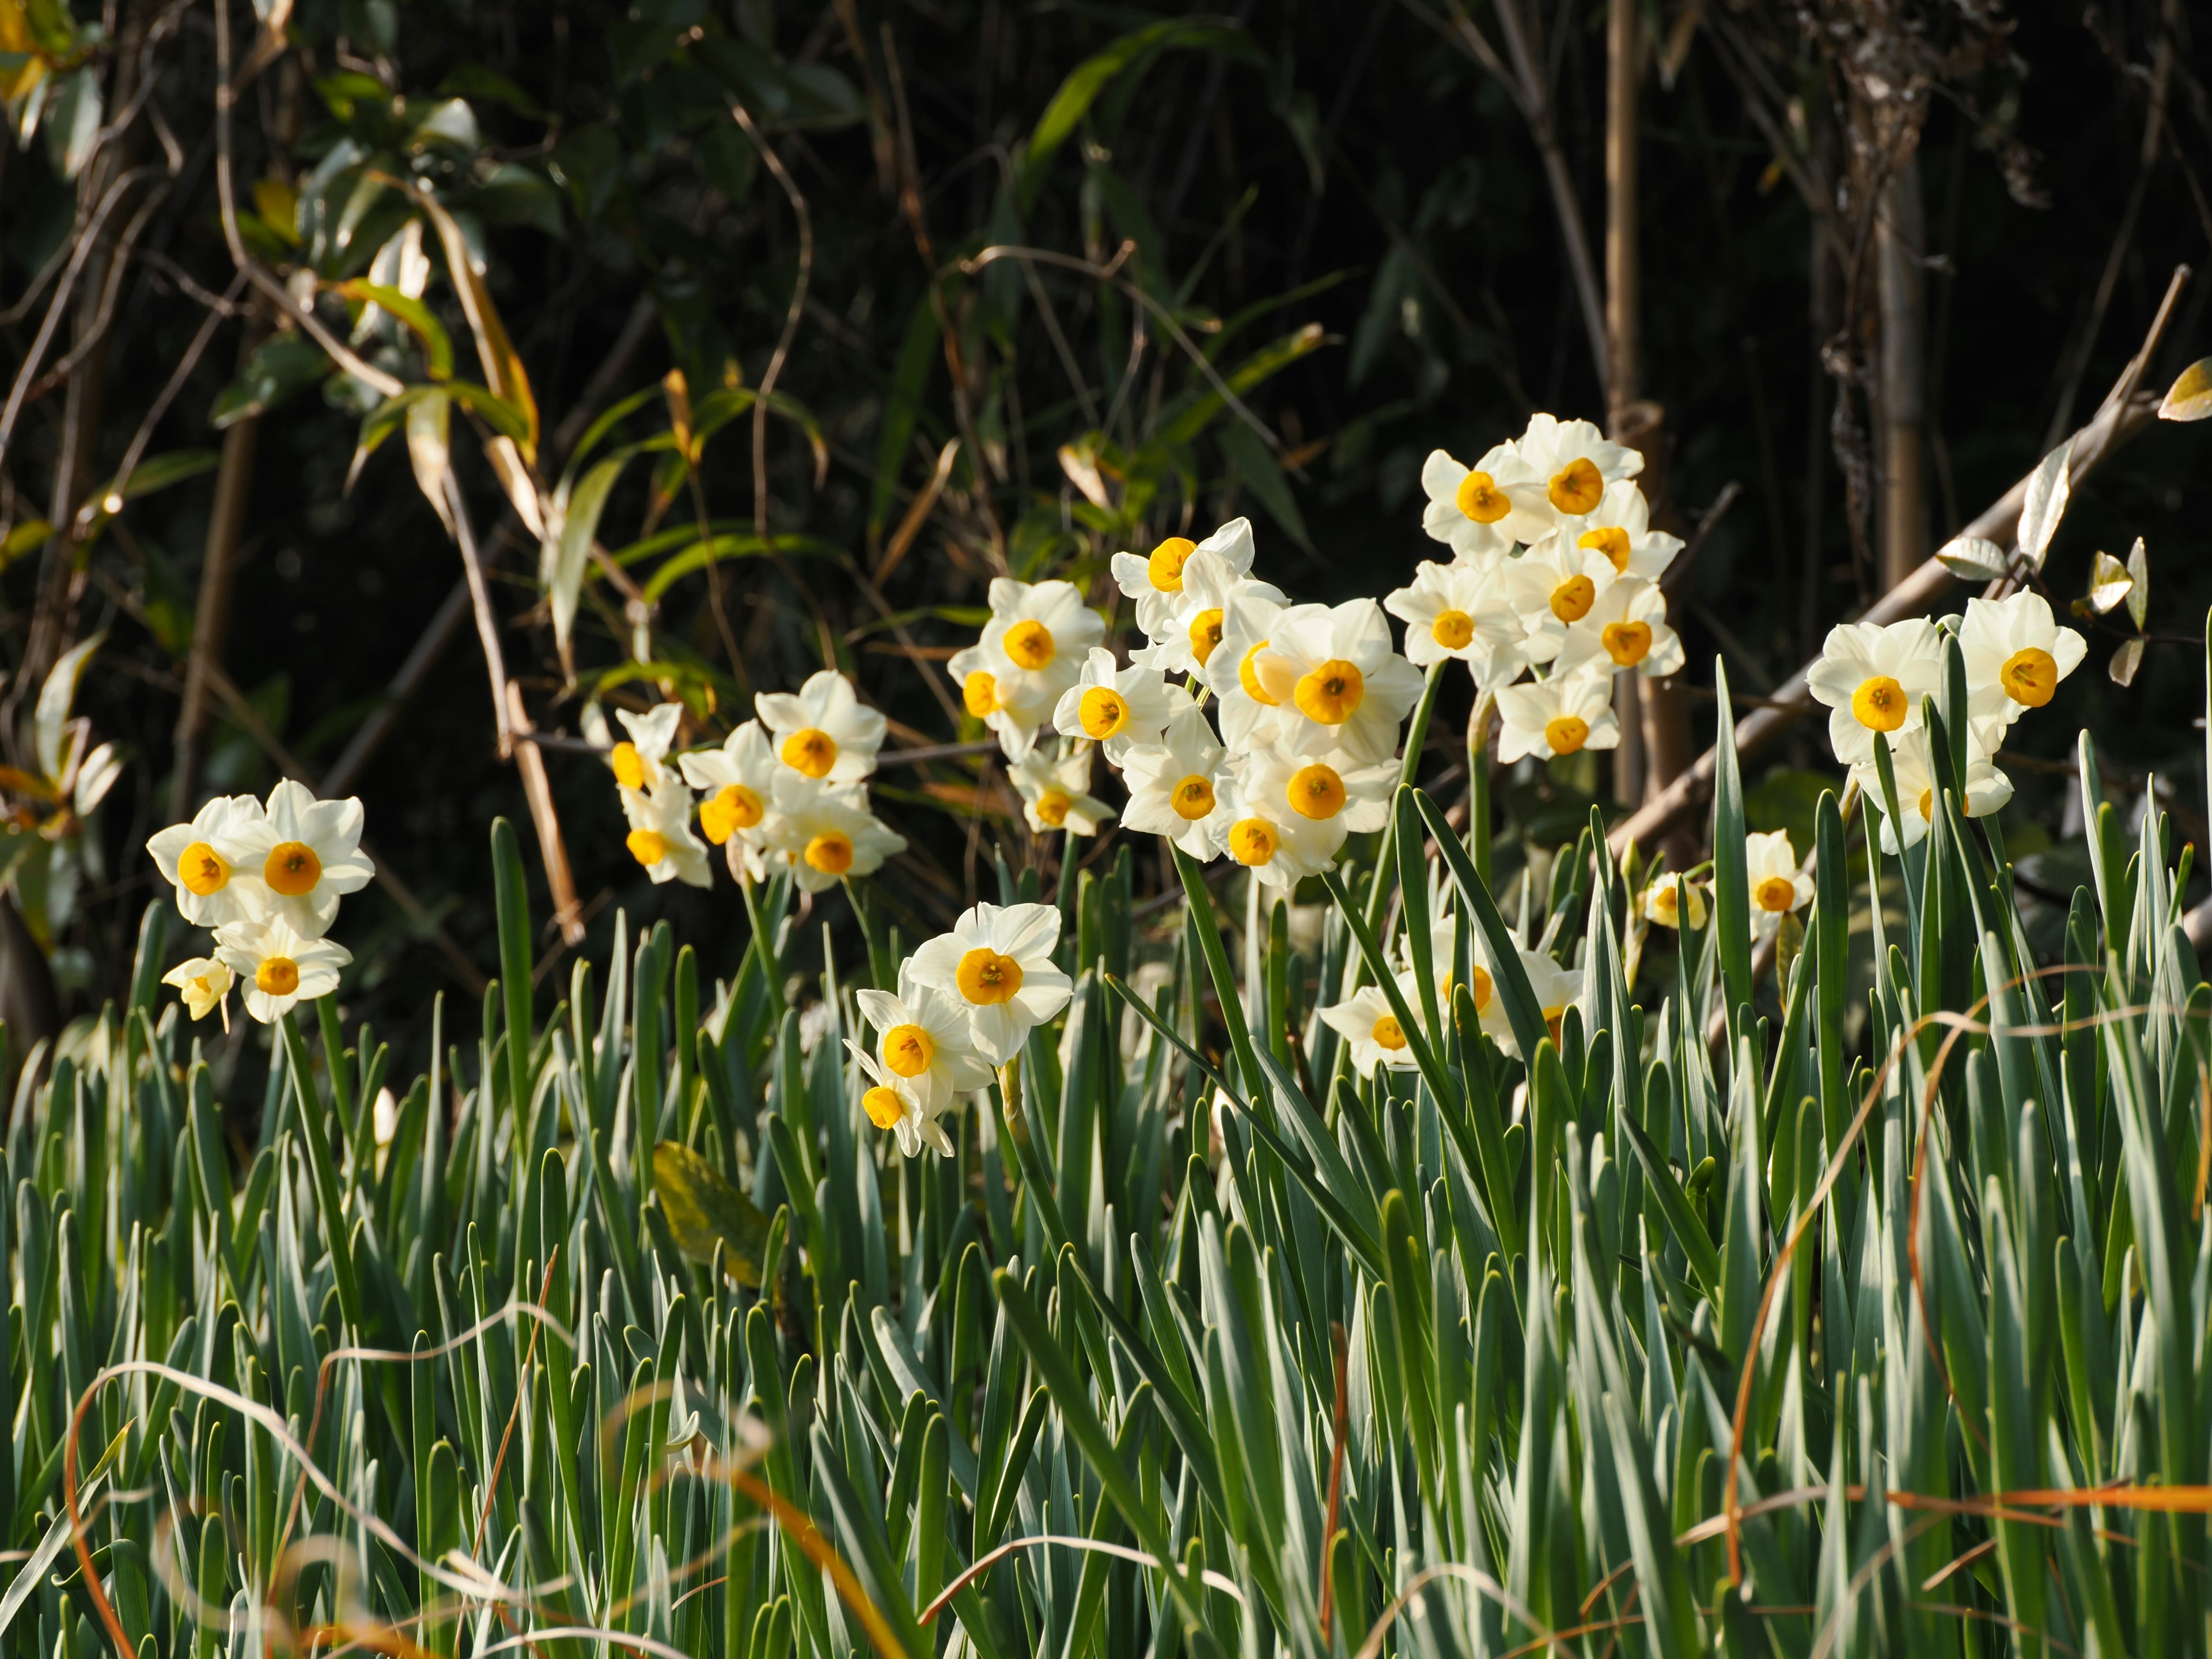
785, 791
266, 877
1873, 677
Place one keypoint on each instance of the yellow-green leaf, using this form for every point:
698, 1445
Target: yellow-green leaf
702, 1208
2189, 398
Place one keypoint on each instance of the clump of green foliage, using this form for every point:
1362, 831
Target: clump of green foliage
626, 1334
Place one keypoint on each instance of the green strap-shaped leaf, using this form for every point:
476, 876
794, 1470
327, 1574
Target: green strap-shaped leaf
1682, 1220
1081, 1422
1731, 885
1095, 74
1507, 978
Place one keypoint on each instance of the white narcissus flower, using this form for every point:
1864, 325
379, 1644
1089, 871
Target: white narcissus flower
1176, 786
661, 837
979, 674
1553, 586
1442, 932
894, 1103
1194, 619
1557, 716
204, 984
2016, 654
1872, 678
1556, 989
1988, 789
1333, 674
1620, 526
281, 966
307, 853
212, 862
1482, 984
1477, 510
822, 730
1249, 716
924, 1040
1367, 1023
1032, 648
997, 964
1055, 794
1576, 462
1289, 811
1458, 610
1625, 629
636, 763
824, 832
1663, 901
1776, 884
736, 793
1117, 709
1157, 582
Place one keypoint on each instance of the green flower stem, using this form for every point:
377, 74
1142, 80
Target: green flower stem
324, 1174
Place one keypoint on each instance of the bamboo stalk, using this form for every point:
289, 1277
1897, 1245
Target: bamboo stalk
234, 485
538, 791
1903, 369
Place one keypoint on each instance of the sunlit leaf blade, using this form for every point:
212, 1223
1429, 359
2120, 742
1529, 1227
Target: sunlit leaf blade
2125, 661
704, 1209
2109, 582
1972, 558
2190, 397
2139, 588
2046, 503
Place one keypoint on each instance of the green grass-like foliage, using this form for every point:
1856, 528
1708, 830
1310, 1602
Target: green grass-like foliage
1729, 1344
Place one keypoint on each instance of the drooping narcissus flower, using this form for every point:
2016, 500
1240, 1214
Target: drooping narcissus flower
661, 837
924, 1038
893, 1102
996, 964
204, 984
279, 966
637, 761
1055, 794
1987, 788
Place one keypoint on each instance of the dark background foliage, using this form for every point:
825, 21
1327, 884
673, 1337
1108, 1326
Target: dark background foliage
1340, 201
